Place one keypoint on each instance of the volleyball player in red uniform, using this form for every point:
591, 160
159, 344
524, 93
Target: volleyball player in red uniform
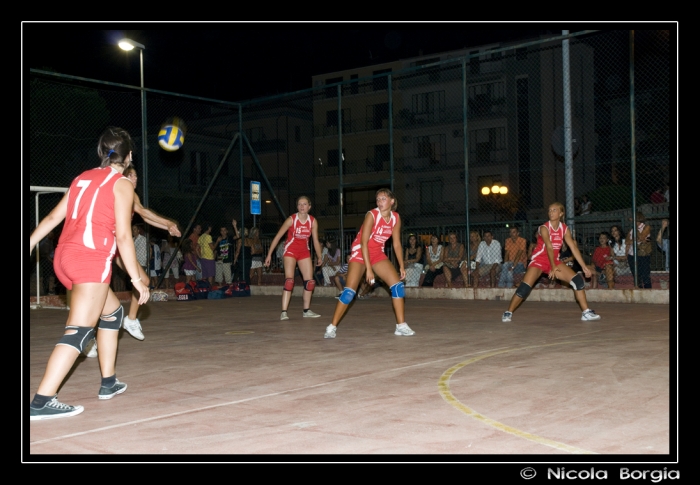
300, 228
368, 257
97, 211
131, 323
545, 259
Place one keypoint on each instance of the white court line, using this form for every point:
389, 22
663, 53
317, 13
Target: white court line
264, 396
274, 394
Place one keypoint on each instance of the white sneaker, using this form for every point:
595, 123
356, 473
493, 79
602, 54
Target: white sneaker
589, 315
507, 316
403, 329
133, 327
330, 331
284, 316
91, 349
310, 314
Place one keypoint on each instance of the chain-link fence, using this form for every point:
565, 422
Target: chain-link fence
480, 139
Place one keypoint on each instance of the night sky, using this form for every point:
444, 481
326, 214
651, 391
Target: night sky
242, 61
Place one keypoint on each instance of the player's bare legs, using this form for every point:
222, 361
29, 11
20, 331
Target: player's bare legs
531, 276
565, 274
387, 273
356, 272
307, 273
87, 303
108, 340
290, 265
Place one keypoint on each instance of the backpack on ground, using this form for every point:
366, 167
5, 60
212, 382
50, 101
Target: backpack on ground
238, 288
201, 289
183, 292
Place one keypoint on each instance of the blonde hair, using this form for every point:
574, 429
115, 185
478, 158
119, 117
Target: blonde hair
560, 205
476, 233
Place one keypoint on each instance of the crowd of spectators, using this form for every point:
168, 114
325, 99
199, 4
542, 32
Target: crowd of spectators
493, 263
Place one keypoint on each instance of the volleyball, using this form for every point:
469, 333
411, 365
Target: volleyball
171, 135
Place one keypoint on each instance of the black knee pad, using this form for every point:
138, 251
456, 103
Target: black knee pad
77, 339
523, 290
113, 321
577, 282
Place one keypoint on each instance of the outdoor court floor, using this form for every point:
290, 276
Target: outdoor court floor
226, 378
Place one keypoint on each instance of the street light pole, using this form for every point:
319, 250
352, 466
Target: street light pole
127, 45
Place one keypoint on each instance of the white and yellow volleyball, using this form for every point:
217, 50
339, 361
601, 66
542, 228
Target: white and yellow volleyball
171, 135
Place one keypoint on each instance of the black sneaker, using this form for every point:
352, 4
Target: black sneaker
110, 392
54, 409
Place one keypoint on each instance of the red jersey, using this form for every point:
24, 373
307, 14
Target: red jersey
88, 241
539, 254
90, 220
299, 233
381, 232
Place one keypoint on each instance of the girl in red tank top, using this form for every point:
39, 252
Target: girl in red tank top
97, 211
368, 258
299, 229
545, 259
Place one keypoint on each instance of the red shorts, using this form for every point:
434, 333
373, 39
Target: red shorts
542, 262
75, 264
299, 256
375, 255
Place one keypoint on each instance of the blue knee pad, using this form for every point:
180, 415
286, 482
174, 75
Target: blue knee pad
113, 321
523, 290
347, 296
78, 339
577, 282
397, 290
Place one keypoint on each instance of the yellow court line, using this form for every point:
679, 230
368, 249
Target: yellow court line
446, 393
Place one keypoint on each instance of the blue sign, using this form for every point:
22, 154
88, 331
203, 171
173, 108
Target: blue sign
255, 198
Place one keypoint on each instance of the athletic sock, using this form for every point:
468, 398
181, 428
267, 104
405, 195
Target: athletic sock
109, 381
306, 310
39, 401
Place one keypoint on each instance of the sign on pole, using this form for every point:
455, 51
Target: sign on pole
255, 198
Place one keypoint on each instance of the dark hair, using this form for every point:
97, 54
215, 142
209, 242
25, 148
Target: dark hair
389, 194
114, 146
187, 245
334, 246
408, 240
620, 232
606, 234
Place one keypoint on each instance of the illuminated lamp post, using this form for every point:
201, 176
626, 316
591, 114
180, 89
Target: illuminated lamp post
127, 45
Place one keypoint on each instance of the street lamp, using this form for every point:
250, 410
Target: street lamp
127, 45
496, 189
